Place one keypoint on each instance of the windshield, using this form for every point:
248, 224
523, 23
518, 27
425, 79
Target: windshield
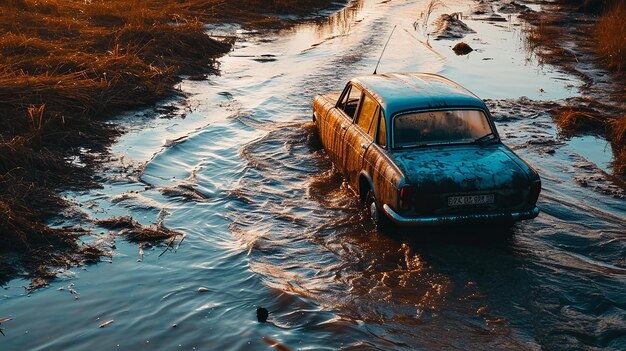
439, 127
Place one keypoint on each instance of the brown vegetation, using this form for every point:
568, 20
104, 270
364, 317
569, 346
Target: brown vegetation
66, 66
136, 232
610, 37
606, 47
618, 141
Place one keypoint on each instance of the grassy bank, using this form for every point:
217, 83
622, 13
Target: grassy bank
576, 33
66, 68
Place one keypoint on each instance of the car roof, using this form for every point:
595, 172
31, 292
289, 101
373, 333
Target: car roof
398, 92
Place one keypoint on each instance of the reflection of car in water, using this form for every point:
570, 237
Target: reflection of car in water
419, 149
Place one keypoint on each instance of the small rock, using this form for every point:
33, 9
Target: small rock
262, 314
202, 289
462, 49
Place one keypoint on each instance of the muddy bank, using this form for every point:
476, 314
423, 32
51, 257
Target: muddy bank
66, 69
586, 38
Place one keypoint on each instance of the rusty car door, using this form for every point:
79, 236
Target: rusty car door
384, 175
340, 119
359, 137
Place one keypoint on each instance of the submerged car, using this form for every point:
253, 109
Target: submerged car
419, 149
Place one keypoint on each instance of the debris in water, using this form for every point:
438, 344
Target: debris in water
484, 11
106, 323
41, 279
462, 49
3, 320
73, 291
171, 241
495, 321
140, 252
180, 242
265, 58
169, 244
450, 27
123, 222
185, 192
276, 344
482, 8
262, 314
513, 7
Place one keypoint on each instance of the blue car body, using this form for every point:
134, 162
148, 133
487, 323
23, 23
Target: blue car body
377, 133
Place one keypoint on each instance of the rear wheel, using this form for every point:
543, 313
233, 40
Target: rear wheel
374, 210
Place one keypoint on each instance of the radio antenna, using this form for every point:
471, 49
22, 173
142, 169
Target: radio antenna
381, 54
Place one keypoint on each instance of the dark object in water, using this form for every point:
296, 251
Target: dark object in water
2, 320
262, 314
462, 49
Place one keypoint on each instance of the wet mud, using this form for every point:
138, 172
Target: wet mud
269, 223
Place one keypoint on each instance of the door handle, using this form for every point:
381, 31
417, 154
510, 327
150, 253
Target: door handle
363, 146
344, 127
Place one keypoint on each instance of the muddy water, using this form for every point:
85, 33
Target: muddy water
269, 223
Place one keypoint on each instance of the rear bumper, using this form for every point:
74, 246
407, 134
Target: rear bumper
456, 219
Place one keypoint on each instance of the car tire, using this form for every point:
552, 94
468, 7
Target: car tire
374, 212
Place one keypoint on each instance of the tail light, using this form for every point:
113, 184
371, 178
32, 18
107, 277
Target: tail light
406, 197
535, 189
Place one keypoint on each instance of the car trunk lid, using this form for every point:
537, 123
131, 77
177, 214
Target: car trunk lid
463, 178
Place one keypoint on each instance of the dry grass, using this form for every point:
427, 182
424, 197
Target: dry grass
618, 142
610, 37
424, 17
66, 67
573, 119
544, 34
136, 232
544, 39
589, 116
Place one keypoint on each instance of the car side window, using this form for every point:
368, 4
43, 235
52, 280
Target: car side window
351, 100
366, 115
381, 139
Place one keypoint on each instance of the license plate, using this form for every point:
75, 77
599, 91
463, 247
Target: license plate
470, 200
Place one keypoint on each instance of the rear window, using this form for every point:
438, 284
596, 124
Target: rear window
439, 127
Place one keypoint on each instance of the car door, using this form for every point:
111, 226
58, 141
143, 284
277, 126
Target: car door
358, 138
341, 120
385, 176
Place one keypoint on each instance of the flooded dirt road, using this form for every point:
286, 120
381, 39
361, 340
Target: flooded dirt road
268, 222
